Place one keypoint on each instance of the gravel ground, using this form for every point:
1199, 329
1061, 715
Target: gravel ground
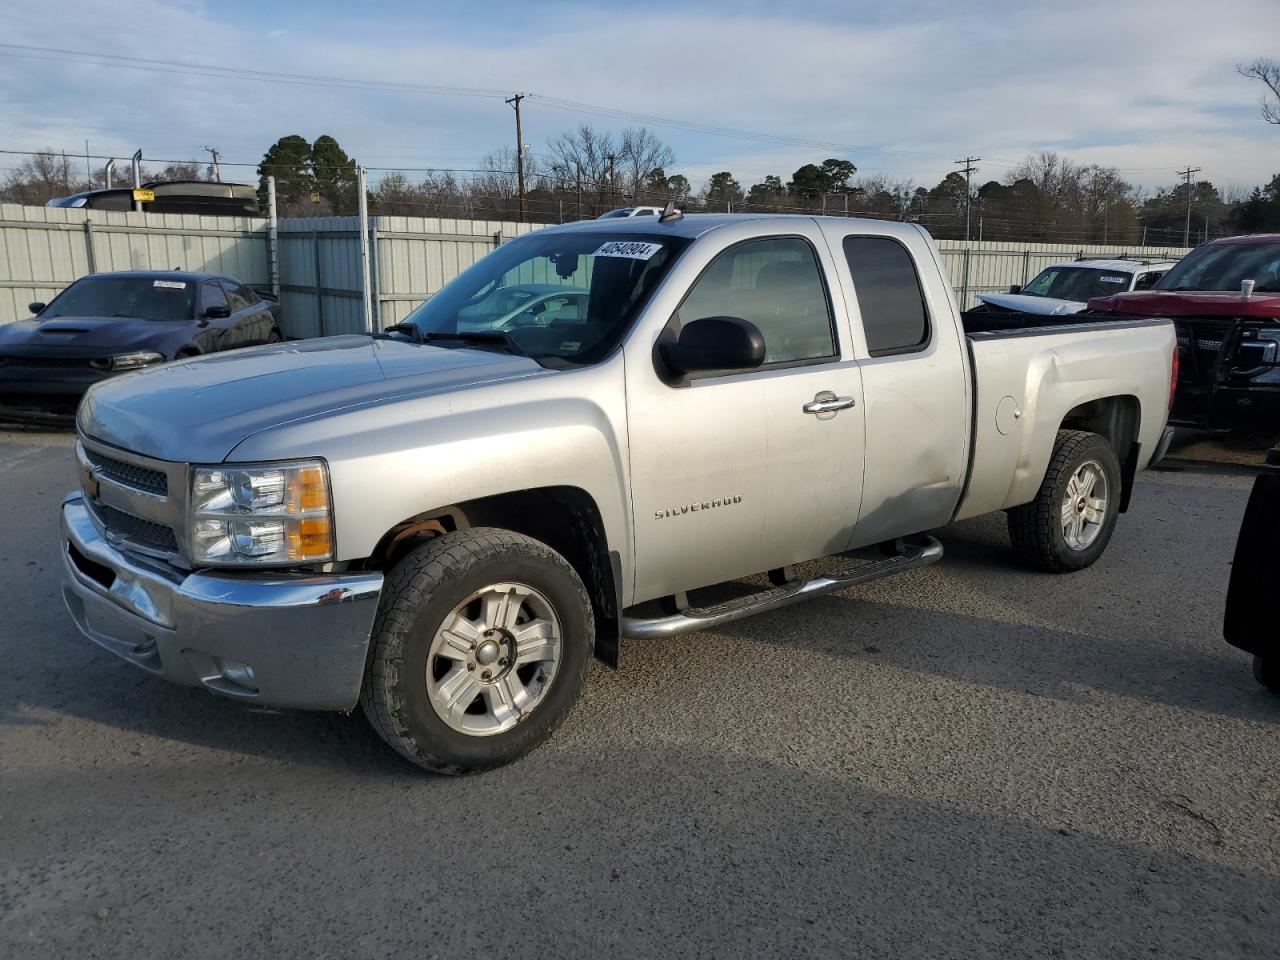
968, 761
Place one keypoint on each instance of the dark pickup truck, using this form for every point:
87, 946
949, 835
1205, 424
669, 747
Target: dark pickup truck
1224, 300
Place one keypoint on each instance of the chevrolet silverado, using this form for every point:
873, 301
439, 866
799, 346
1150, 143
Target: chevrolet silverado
444, 521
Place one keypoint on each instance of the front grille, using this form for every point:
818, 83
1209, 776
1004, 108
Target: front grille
140, 478
51, 362
144, 533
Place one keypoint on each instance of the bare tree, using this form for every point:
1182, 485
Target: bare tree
43, 177
608, 168
1268, 71
639, 154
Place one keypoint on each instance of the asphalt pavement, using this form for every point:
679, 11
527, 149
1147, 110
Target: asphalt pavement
971, 760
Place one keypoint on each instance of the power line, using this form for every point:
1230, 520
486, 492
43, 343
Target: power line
65, 55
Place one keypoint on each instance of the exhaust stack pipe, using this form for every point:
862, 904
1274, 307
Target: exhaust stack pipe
137, 176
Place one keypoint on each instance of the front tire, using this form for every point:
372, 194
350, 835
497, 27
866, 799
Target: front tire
480, 649
1069, 523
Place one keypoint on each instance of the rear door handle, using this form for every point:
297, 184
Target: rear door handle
827, 403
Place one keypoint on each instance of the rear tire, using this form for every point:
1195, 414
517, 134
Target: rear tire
1069, 523
1266, 670
480, 648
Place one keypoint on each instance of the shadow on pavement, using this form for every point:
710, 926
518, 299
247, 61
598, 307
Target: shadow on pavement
655, 851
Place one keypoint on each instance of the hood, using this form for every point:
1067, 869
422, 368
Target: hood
1188, 303
84, 336
198, 410
1026, 303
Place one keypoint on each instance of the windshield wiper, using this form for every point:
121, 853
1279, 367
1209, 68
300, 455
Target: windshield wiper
497, 338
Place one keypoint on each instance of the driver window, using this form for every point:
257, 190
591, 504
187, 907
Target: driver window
776, 284
1146, 281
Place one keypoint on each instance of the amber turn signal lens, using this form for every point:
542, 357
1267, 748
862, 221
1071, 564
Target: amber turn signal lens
311, 539
312, 492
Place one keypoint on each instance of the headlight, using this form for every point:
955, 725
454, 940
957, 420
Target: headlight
275, 513
128, 361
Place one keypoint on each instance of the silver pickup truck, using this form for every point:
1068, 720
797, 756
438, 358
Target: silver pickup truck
443, 522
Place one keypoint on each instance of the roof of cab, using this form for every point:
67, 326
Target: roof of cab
1250, 238
1122, 266
187, 275
693, 225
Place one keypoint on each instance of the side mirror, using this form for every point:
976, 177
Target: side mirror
219, 311
1016, 288
36, 307
715, 343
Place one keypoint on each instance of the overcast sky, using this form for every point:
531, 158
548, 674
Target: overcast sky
907, 86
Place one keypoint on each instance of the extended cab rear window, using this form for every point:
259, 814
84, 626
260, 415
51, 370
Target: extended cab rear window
894, 317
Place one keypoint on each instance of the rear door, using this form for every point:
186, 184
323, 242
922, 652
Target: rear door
251, 315
914, 365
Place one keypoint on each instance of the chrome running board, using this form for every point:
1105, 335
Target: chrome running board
704, 618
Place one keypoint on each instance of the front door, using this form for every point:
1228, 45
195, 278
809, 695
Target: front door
219, 332
738, 473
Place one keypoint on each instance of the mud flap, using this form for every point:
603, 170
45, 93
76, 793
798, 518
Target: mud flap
609, 623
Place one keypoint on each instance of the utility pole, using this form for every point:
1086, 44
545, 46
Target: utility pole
613, 193
1186, 233
215, 154
515, 103
968, 164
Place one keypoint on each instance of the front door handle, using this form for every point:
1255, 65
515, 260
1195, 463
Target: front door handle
826, 405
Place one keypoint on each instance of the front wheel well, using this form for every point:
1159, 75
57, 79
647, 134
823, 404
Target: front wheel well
566, 519
1117, 420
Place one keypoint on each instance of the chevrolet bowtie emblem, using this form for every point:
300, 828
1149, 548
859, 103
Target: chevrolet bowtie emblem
91, 485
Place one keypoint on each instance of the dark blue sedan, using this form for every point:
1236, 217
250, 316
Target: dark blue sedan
110, 323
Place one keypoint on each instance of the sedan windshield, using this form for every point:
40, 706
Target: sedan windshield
1225, 266
135, 298
560, 297
1077, 283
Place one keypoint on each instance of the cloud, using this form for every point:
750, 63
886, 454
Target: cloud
1145, 86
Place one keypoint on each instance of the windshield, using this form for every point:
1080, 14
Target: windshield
135, 298
1077, 283
568, 297
1225, 266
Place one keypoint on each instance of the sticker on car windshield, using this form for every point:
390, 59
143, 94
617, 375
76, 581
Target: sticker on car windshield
571, 345
170, 284
1113, 279
632, 250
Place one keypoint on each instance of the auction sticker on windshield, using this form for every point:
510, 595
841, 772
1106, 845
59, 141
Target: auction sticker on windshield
170, 284
632, 250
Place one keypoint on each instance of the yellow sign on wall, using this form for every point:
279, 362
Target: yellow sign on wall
144, 196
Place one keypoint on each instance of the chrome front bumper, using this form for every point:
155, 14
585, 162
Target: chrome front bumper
267, 638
